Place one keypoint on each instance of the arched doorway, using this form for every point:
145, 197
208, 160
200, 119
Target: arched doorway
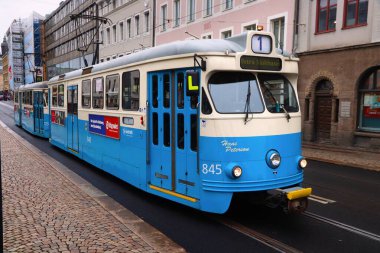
323, 110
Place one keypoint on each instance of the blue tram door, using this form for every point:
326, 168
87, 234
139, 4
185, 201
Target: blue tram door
72, 118
173, 133
38, 112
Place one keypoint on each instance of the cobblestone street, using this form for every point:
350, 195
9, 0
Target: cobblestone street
45, 212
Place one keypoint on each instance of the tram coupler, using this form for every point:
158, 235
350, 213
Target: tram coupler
291, 200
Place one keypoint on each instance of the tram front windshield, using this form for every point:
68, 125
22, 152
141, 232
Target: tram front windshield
235, 92
278, 93
239, 92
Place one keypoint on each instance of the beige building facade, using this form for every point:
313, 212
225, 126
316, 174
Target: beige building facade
129, 27
339, 82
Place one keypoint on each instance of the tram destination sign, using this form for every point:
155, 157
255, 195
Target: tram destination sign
260, 63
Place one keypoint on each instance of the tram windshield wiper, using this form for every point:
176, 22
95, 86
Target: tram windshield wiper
267, 91
247, 108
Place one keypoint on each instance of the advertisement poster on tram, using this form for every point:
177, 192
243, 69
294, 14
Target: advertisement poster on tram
372, 105
104, 125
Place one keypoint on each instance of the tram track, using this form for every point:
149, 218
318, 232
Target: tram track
264, 239
341, 225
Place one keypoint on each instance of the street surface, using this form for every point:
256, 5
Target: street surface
343, 213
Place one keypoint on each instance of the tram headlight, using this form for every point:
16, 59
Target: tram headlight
237, 171
302, 162
273, 159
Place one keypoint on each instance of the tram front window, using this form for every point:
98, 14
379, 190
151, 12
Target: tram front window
278, 93
235, 92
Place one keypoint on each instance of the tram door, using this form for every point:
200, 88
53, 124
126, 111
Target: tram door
72, 118
173, 133
38, 109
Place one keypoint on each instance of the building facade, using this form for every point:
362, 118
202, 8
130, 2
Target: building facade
216, 19
15, 38
5, 77
339, 82
32, 32
129, 27
71, 37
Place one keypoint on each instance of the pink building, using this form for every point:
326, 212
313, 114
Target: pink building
206, 19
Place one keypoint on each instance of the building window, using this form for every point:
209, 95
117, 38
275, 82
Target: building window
129, 32
114, 33
121, 27
207, 37
278, 27
228, 4
108, 35
369, 95
207, 8
146, 19
190, 10
355, 13
137, 24
326, 15
163, 16
177, 13
226, 34
251, 27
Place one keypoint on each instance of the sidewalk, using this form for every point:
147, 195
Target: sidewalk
48, 208
355, 157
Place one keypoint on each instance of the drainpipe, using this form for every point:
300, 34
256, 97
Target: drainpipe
295, 27
154, 24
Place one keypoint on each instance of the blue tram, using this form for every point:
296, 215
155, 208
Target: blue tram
196, 122
31, 109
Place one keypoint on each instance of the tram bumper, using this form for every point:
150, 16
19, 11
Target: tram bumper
292, 200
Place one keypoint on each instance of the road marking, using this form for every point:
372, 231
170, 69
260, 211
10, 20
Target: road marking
344, 226
268, 241
321, 200
4, 104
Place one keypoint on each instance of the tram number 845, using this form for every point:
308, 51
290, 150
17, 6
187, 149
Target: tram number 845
215, 169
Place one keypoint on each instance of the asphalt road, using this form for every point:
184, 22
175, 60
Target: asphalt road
347, 197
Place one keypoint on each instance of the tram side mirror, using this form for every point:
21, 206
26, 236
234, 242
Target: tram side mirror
192, 87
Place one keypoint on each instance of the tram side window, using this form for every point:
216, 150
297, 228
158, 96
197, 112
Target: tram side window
180, 90
61, 95
98, 93
155, 90
23, 97
112, 94
131, 90
16, 97
54, 96
166, 91
86, 93
46, 98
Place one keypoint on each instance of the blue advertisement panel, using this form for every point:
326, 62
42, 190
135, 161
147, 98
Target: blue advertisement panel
96, 124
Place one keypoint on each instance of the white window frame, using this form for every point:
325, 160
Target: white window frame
270, 26
175, 12
253, 22
147, 22
189, 18
206, 34
231, 28
205, 14
163, 18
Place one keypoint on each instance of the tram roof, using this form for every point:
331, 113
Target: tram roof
232, 44
30, 86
